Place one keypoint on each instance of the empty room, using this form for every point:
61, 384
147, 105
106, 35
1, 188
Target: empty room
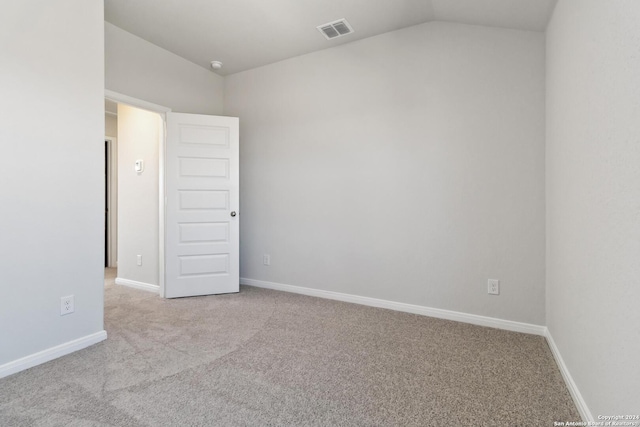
320, 213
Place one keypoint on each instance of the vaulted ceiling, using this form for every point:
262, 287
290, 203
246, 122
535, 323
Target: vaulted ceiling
245, 34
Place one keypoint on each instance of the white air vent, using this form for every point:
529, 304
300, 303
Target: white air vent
335, 29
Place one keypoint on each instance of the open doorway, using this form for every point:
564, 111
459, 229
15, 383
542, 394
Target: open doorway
200, 200
134, 222
111, 184
111, 191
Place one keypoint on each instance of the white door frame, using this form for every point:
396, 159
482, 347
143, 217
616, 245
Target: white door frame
112, 201
162, 111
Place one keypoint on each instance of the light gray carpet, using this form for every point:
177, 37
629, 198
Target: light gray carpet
266, 358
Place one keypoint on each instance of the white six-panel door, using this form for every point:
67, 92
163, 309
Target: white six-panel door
201, 217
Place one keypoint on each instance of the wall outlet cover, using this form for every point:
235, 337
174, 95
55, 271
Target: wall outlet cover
66, 305
493, 287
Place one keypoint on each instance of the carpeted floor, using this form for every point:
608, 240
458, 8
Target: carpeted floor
267, 358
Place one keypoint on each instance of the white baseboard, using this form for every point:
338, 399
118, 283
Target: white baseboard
138, 285
51, 353
399, 306
581, 405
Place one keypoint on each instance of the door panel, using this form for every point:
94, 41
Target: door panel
202, 226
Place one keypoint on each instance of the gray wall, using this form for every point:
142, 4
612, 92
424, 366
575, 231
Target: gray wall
139, 137
407, 167
139, 69
52, 215
111, 125
593, 198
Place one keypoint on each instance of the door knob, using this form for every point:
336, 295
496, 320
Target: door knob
233, 213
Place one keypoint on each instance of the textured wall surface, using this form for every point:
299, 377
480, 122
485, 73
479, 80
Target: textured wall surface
139, 138
407, 167
593, 198
137, 68
52, 215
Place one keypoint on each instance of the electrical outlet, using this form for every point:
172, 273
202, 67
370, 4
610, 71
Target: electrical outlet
66, 305
494, 287
266, 259
139, 259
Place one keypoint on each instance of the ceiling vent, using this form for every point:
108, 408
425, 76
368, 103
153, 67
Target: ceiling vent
335, 29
